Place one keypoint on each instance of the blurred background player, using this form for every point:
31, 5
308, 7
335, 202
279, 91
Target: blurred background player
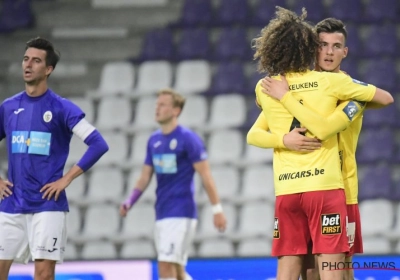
38, 125
175, 153
298, 188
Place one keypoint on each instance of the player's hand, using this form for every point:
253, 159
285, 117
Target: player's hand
54, 188
5, 188
275, 88
220, 222
123, 210
295, 141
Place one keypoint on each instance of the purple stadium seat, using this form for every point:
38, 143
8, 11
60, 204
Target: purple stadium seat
350, 66
252, 115
229, 78
195, 13
232, 12
16, 14
315, 9
157, 45
193, 44
375, 145
253, 80
232, 44
353, 41
346, 10
378, 10
263, 12
381, 73
387, 116
376, 183
381, 40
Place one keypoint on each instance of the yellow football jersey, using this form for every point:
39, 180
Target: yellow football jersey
296, 172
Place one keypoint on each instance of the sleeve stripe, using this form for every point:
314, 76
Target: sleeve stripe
83, 129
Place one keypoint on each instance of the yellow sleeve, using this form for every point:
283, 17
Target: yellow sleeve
323, 127
346, 88
259, 136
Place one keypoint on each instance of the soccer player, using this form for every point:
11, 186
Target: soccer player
175, 153
38, 125
308, 186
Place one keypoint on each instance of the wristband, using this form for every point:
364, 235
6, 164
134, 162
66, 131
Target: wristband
136, 193
217, 208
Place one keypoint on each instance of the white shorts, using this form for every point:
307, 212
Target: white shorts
42, 235
173, 237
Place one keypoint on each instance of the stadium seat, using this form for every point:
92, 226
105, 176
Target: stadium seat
229, 78
256, 219
194, 43
138, 249
346, 10
259, 247
144, 115
151, 50
195, 13
375, 145
105, 185
113, 113
94, 222
139, 223
207, 229
254, 155
227, 180
384, 43
376, 183
98, 250
70, 252
385, 117
192, 76
16, 15
227, 111
73, 221
376, 223
252, 114
376, 246
127, 3
353, 42
195, 112
381, 73
258, 183
149, 194
153, 76
76, 190
350, 66
86, 106
254, 78
116, 78
76, 150
118, 150
139, 149
231, 12
216, 248
377, 12
225, 146
232, 44
394, 234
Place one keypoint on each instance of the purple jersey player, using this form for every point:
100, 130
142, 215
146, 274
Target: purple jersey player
175, 153
37, 125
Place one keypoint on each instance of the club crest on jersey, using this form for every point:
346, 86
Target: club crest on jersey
47, 116
173, 143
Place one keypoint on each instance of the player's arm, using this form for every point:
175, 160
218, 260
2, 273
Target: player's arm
259, 136
203, 169
141, 185
5, 185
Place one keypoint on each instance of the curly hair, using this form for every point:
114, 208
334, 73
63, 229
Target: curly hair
287, 44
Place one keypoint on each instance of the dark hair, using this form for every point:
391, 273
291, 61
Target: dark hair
287, 44
331, 25
52, 55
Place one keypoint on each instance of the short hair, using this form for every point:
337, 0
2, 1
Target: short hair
287, 44
52, 55
331, 25
177, 99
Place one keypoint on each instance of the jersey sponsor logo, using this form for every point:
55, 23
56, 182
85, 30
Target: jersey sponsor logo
31, 142
302, 86
165, 163
351, 110
301, 174
330, 224
359, 82
157, 144
47, 116
19, 110
276, 229
173, 143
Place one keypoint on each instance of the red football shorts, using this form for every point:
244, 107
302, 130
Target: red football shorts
354, 230
317, 217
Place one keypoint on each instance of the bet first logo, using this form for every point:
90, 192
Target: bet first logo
330, 224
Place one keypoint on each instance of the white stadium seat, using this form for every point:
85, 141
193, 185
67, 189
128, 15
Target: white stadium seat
192, 76
113, 113
153, 76
227, 110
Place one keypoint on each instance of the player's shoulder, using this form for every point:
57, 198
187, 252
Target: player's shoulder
13, 99
186, 132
